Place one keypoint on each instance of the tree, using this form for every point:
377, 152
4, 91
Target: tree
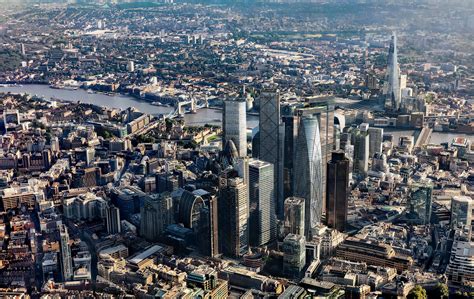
443, 290
169, 124
418, 292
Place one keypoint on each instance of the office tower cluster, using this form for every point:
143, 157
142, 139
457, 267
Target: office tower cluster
327, 177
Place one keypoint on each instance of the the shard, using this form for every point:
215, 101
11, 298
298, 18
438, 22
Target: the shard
393, 91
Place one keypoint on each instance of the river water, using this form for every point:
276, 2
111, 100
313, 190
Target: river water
202, 117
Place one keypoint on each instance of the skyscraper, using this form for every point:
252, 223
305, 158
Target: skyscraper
462, 208
337, 191
294, 216
375, 141
156, 214
271, 139
234, 125
393, 90
233, 204
419, 204
294, 255
290, 123
113, 219
308, 171
262, 218
65, 251
208, 228
361, 151
322, 108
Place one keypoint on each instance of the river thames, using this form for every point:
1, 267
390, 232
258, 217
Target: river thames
202, 117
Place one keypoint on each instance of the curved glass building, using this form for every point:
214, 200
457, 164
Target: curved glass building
308, 178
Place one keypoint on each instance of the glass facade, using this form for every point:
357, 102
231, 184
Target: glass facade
462, 209
271, 140
420, 204
308, 171
233, 206
262, 221
394, 95
337, 191
234, 125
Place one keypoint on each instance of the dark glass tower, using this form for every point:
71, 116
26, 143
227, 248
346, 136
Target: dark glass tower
337, 191
271, 140
262, 220
233, 206
290, 123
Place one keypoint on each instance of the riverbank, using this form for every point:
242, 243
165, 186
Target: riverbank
202, 117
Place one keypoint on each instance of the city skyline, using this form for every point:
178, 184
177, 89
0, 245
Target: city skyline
236, 149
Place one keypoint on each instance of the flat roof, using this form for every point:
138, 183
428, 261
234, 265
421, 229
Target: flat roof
145, 254
113, 249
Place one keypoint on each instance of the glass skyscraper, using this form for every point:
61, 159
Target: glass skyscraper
322, 108
262, 219
419, 204
308, 172
290, 123
271, 133
393, 92
337, 191
294, 216
233, 206
234, 125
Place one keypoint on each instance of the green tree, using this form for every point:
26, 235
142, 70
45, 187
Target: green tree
418, 292
443, 290
169, 124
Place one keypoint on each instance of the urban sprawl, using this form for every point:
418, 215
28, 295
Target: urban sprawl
340, 164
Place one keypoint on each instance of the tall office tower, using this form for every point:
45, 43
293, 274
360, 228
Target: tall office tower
375, 141
271, 140
294, 216
65, 251
308, 172
294, 255
290, 122
208, 228
419, 204
322, 107
113, 219
234, 125
361, 151
242, 167
337, 191
462, 208
156, 214
233, 204
393, 90
262, 218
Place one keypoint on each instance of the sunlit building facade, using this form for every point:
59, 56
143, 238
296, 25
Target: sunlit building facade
308, 171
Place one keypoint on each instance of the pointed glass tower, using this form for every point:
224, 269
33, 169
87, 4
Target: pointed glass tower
393, 95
